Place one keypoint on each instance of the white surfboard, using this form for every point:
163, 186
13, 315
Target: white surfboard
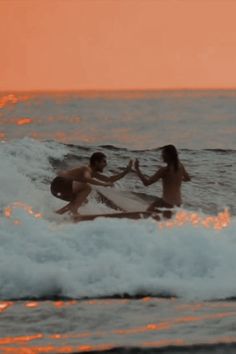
122, 200
118, 215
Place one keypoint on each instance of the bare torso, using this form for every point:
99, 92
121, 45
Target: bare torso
77, 174
172, 178
171, 183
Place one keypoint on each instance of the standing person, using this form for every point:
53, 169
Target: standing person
172, 177
75, 185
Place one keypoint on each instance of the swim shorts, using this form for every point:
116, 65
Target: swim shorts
62, 188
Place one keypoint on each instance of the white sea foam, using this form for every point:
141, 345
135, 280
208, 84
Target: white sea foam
24, 166
108, 257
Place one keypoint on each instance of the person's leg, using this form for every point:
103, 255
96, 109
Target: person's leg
80, 197
64, 209
62, 188
72, 191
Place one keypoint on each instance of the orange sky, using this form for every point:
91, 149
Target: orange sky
117, 44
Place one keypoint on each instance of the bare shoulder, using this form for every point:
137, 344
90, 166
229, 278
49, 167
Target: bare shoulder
86, 170
75, 170
79, 171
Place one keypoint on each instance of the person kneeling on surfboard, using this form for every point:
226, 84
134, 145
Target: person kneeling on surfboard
171, 175
75, 185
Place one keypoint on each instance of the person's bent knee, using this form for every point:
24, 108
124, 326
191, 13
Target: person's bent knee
79, 187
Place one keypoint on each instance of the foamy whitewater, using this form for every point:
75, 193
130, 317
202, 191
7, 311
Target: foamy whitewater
44, 256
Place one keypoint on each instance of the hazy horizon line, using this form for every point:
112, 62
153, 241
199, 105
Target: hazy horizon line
121, 89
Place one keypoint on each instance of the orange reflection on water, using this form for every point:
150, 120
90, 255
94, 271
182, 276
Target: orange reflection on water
85, 348
55, 349
38, 350
212, 316
9, 209
8, 212
20, 339
8, 99
146, 299
190, 307
5, 305
218, 222
2, 136
170, 323
60, 303
32, 304
60, 136
24, 121
72, 302
11, 99
157, 327
149, 327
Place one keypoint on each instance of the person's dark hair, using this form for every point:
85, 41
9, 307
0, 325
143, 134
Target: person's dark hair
171, 155
96, 156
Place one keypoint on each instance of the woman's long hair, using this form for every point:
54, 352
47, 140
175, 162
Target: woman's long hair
170, 154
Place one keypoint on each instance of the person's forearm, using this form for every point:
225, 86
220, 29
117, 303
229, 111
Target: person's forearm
118, 176
96, 182
142, 177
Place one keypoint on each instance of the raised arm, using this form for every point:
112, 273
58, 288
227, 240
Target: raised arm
89, 179
148, 180
116, 177
84, 175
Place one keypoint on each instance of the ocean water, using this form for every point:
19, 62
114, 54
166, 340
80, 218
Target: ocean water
119, 286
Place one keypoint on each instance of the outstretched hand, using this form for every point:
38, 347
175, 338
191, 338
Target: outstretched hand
129, 166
